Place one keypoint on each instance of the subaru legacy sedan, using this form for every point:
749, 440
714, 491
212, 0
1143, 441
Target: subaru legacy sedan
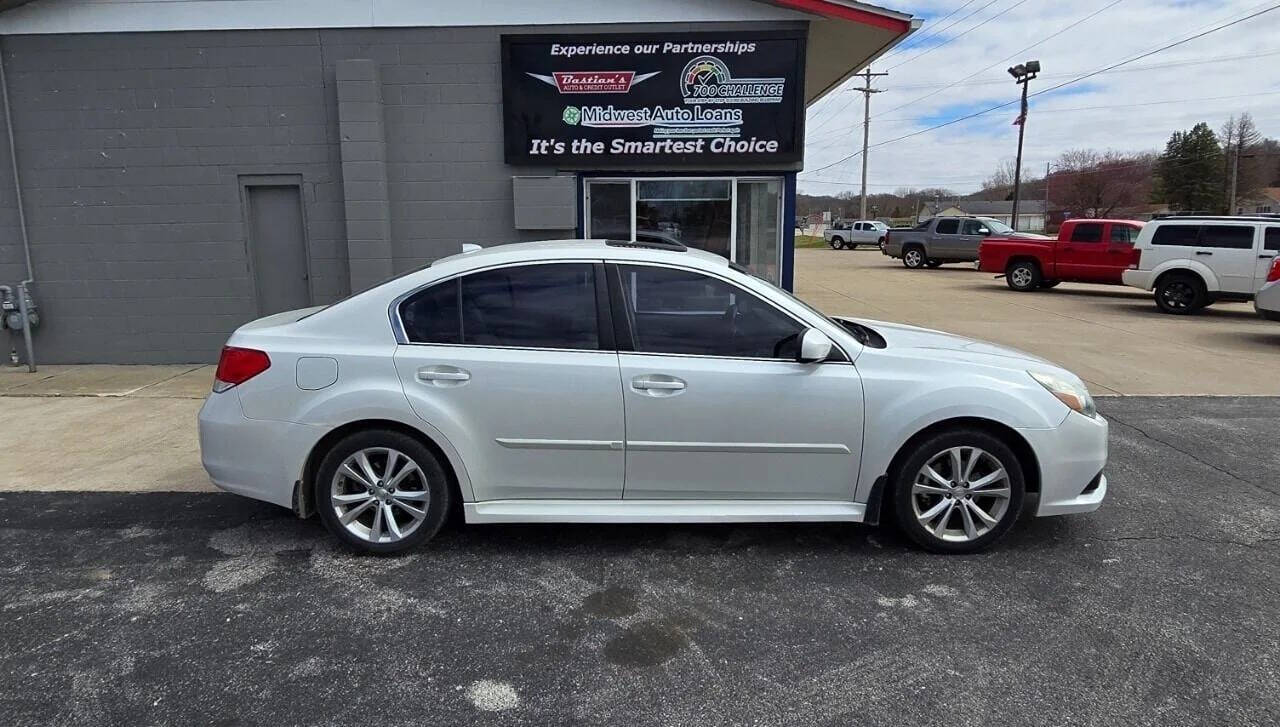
596, 381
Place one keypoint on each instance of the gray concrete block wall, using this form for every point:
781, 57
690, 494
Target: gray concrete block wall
132, 145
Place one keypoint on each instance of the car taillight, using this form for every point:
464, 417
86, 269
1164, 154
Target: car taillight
1137, 260
238, 365
1274, 274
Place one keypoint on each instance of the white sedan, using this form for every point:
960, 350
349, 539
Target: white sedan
622, 382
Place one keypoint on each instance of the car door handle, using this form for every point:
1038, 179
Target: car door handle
1266, 256
443, 374
1203, 252
649, 383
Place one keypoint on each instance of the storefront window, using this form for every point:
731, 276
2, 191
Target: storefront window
759, 202
736, 218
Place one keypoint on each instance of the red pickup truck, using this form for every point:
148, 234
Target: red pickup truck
1085, 251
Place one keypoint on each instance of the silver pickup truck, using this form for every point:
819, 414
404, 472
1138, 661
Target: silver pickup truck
849, 235
940, 240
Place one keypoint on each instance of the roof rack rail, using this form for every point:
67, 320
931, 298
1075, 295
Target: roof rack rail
649, 245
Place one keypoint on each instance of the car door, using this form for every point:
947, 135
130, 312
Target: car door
1120, 251
1270, 248
513, 366
973, 232
717, 406
1084, 253
1231, 251
945, 242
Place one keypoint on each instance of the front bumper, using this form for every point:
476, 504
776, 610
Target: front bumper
1071, 460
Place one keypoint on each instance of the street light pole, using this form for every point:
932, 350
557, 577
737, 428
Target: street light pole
1022, 73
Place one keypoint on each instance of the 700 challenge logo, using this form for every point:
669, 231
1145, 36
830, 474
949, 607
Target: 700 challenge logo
706, 79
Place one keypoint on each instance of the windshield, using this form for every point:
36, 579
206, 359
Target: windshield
996, 225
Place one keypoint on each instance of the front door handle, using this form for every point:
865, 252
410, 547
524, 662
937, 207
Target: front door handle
443, 375
1203, 252
1266, 256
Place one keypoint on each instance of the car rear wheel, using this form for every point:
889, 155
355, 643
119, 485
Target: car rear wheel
1023, 275
836, 243
913, 257
1180, 294
382, 491
958, 491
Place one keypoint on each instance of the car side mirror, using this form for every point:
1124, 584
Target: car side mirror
815, 346
984, 231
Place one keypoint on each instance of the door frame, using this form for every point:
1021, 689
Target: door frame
273, 180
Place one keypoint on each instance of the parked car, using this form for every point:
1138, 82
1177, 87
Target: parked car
940, 240
1191, 262
633, 382
849, 235
1267, 301
1085, 251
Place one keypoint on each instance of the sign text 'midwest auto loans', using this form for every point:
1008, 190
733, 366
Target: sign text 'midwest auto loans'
677, 100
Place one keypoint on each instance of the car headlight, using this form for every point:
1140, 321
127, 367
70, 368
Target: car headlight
1072, 393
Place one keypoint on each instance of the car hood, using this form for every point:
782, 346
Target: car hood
902, 336
1028, 236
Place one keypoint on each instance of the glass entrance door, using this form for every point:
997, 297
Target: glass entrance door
737, 218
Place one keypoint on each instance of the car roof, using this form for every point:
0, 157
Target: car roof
561, 249
1112, 220
1218, 218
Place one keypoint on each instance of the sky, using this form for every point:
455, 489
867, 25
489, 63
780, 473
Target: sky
1133, 108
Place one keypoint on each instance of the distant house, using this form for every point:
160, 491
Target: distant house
1031, 212
1264, 201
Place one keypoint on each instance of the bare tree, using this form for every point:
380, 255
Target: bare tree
1089, 183
1251, 171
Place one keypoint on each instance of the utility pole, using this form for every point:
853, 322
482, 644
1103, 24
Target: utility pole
866, 92
1235, 178
1022, 75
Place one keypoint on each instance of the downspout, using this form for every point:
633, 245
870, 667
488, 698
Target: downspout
22, 217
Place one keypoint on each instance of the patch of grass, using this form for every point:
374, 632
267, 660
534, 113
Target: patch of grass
810, 241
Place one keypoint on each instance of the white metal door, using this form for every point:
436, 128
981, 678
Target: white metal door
1231, 251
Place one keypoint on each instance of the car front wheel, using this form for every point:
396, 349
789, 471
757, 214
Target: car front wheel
381, 491
958, 491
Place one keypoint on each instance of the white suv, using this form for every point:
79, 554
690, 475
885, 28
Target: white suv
1191, 262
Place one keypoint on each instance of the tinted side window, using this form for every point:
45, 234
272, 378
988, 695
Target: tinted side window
1087, 232
684, 312
948, 227
431, 315
1239, 237
531, 306
1272, 241
973, 227
1123, 234
1185, 235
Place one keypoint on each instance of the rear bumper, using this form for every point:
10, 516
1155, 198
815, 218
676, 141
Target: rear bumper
252, 457
1071, 459
1137, 278
1267, 302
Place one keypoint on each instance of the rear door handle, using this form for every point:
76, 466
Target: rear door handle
658, 385
1265, 256
443, 375
1203, 252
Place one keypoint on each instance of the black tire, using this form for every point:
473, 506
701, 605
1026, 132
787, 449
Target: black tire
836, 243
906, 505
1023, 275
934, 263
433, 482
913, 257
1180, 294
1050, 284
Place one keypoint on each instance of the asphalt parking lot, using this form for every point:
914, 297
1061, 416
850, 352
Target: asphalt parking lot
1112, 336
200, 608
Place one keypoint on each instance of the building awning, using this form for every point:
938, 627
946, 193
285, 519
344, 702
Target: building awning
844, 37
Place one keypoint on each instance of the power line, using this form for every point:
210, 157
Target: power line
915, 42
1122, 105
1077, 79
1015, 54
931, 49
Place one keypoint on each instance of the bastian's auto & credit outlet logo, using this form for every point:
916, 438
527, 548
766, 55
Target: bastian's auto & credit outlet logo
593, 81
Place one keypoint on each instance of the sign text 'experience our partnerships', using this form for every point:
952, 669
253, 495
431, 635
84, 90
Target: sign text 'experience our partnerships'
676, 100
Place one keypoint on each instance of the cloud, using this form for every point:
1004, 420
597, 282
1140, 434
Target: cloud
1133, 108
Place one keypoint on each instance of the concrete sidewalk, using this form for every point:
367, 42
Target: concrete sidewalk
105, 428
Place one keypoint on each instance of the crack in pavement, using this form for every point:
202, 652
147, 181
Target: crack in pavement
1179, 538
1176, 448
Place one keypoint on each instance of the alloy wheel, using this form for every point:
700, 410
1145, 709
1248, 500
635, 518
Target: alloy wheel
1177, 295
379, 495
960, 494
1021, 276
913, 258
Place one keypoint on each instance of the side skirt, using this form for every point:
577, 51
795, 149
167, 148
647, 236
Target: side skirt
662, 511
